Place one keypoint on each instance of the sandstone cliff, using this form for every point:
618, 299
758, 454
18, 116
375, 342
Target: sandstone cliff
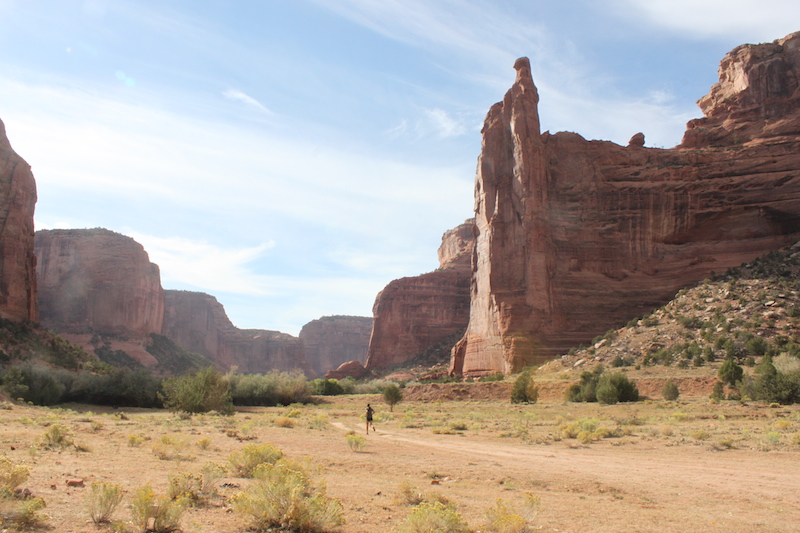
332, 340
18, 296
97, 281
197, 322
414, 314
575, 237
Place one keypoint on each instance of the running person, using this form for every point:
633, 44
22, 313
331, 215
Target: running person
370, 411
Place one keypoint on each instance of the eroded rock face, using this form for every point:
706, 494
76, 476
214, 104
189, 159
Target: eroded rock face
18, 294
332, 340
414, 314
575, 237
97, 281
350, 369
197, 322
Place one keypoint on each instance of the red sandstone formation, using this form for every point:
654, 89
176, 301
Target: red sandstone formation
575, 237
197, 322
18, 300
414, 314
97, 281
332, 340
350, 369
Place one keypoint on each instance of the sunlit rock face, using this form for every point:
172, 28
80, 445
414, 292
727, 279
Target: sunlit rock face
18, 294
575, 237
332, 340
95, 280
413, 315
198, 322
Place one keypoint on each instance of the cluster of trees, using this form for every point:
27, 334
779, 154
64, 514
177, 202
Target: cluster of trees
774, 380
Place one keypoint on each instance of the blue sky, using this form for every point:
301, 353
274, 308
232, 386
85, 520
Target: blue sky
291, 157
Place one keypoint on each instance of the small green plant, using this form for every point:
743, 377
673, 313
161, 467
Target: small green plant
244, 462
284, 497
156, 514
356, 442
434, 517
392, 395
670, 392
103, 500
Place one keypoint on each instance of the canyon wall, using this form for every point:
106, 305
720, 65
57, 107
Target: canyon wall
197, 322
575, 237
332, 340
413, 315
18, 294
97, 281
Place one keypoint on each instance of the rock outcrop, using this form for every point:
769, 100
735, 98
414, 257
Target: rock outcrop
413, 315
197, 322
332, 340
350, 369
575, 237
97, 281
18, 295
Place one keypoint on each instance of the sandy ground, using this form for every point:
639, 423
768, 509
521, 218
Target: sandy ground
654, 477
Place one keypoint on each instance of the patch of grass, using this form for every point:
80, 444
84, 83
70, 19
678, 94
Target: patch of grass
170, 448
284, 422
244, 462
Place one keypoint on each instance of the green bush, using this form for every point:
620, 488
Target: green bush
718, 392
275, 388
284, 497
430, 517
156, 514
586, 389
392, 395
327, 387
525, 389
670, 392
103, 500
607, 394
12, 475
200, 392
730, 373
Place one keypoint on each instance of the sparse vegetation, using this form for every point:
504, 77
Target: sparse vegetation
203, 391
103, 500
244, 462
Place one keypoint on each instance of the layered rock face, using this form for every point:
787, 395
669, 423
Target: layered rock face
197, 322
97, 281
575, 237
18, 294
414, 314
333, 340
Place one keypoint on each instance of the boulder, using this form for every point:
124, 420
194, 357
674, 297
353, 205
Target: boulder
351, 369
18, 291
576, 237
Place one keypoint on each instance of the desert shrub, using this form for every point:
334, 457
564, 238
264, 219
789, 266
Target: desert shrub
408, 494
586, 389
196, 489
356, 442
434, 516
21, 515
43, 386
525, 389
102, 500
203, 391
718, 392
284, 422
326, 387
730, 372
134, 441
616, 387
12, 475
154, 513
502, 519
120, 387
756, 346
773, 386
392, 395
285, 497
786, 364
275, 388
57, 436
497, 376
670, 392
171, 448
243, 463
14, 383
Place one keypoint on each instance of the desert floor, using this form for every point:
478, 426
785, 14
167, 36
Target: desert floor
658, 466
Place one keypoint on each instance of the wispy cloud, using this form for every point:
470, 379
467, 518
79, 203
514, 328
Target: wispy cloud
205, 266
233, 94
443, 123
761, 20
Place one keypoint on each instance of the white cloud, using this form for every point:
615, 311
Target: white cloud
759, 20
233, 94
443, 124
205, 266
